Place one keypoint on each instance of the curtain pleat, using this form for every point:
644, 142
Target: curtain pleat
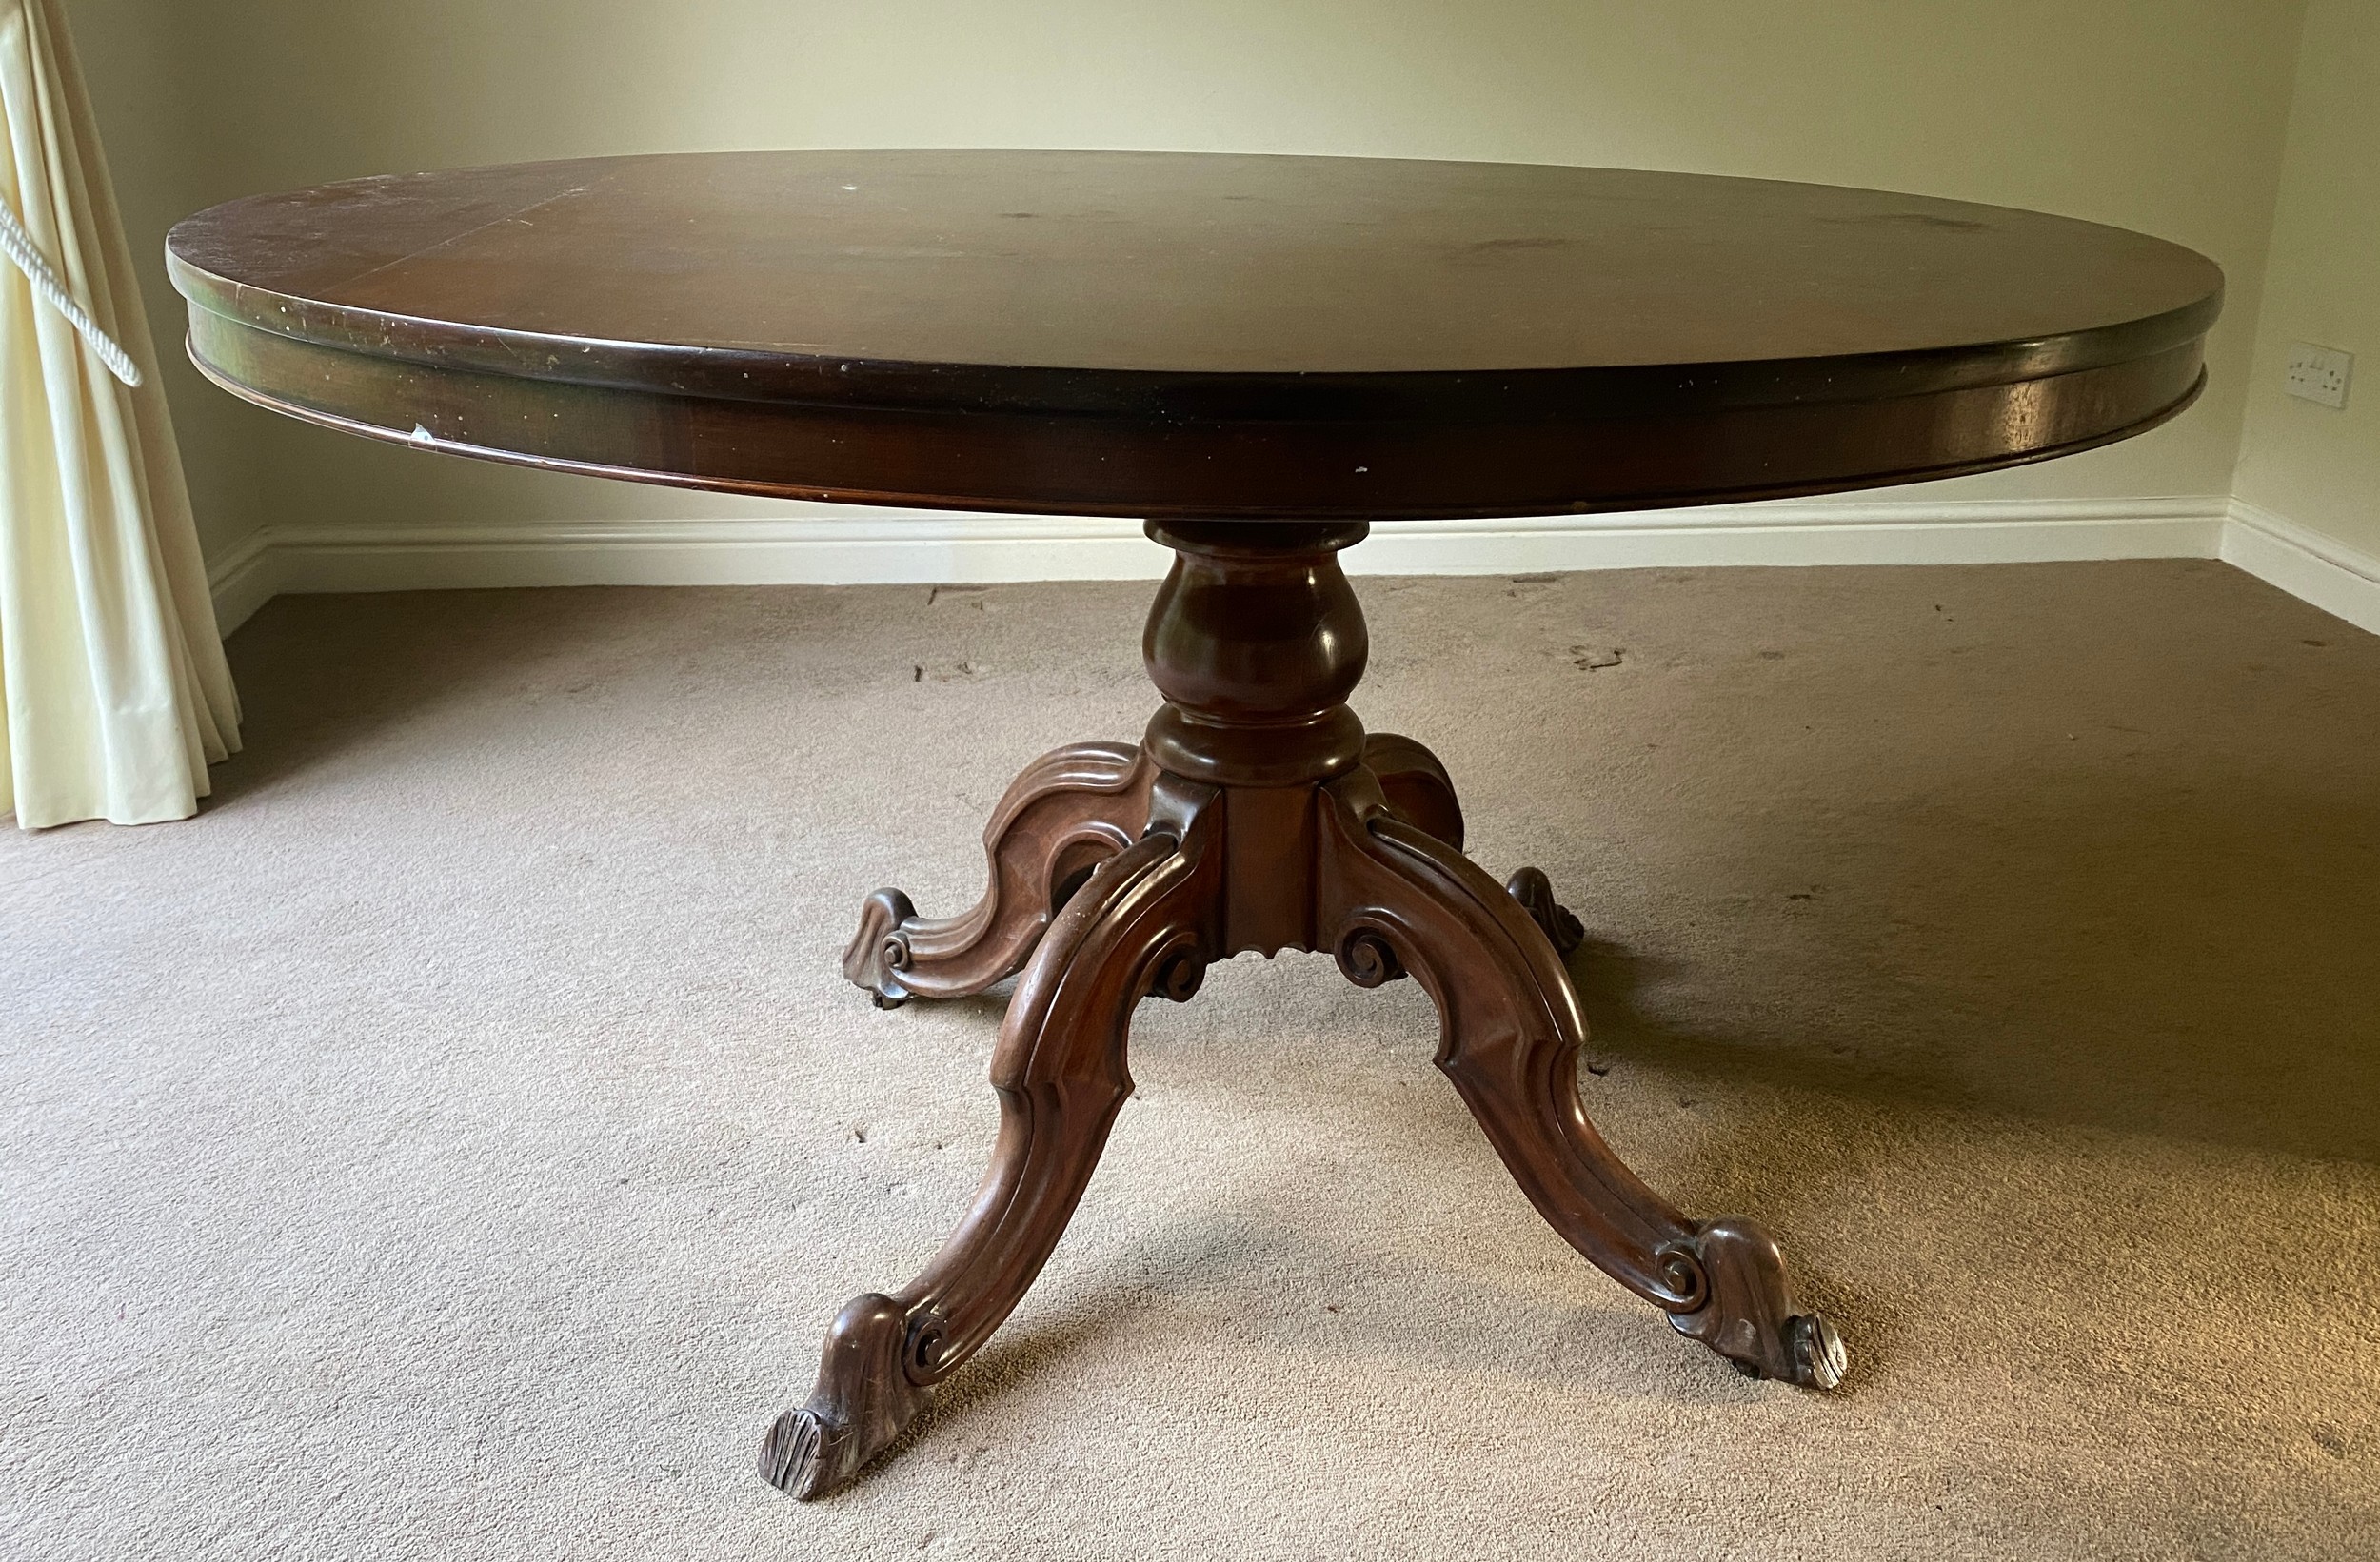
111, 668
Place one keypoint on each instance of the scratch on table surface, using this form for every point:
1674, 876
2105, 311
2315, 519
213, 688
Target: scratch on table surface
521, 216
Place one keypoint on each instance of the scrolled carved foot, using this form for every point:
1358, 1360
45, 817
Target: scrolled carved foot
864, 1401
1750, 1316
879, 950
1536, 894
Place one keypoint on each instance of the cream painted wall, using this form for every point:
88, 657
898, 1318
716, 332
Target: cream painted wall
2165, 115
2310, 464
149, 111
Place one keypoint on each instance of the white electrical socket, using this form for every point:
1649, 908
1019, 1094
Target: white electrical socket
2318, 375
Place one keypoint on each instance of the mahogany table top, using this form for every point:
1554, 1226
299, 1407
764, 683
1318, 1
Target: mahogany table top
1178, 334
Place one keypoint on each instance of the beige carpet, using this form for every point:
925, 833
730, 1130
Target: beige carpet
453, 1143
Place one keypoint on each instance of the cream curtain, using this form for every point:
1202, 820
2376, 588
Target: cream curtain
110, 665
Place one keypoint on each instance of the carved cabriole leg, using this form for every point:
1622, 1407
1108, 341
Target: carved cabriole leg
1395, 899
1417, 789
1068, 811
1142, 924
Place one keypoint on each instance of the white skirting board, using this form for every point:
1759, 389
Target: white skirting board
891, 547
245, 579
2341, 581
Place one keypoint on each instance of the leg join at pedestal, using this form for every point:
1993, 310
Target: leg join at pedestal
1255, 814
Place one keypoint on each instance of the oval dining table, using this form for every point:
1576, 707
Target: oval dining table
1260, 357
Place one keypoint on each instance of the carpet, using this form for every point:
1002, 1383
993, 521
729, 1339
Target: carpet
453, 1143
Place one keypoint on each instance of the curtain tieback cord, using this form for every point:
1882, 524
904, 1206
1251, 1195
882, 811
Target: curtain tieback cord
18, 245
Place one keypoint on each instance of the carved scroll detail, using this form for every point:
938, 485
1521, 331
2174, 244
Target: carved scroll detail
1180, 977
1070, 810
1366, 958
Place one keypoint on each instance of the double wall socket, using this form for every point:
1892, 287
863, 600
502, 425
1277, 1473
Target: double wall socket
2318, 375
